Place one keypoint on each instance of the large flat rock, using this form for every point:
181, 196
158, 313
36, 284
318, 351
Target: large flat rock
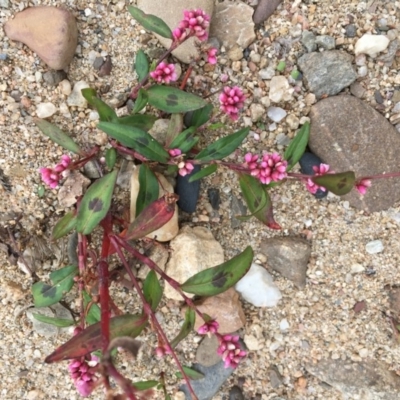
348, 134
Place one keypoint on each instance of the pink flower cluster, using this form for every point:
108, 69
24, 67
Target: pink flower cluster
322, 169
174, 152
83, 374
230, 351
232, 100
196, 21
209, 327
211, 55
269, 168
362, 185
52, 176
185, 168
164, 73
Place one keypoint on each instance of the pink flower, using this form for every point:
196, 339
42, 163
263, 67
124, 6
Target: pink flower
174, 152
322, 169
362, 185
194, 23
164, 73
211, 55
270, 168
229, 349
209, 327
52, 176
82, 372
232, 100
161, 351
185, 168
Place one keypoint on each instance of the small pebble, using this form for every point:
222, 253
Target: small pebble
374, 247
214, 198
276, 114
351, 30
45, 110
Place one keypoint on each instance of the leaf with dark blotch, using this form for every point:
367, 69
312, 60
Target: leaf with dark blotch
297, 146
198, 117
45, 295
173, 100
64, 225
151, 22
91, 339
258, 200
106, 113
59, 322
136, 139
93, 314
152, 290
148, 188
96, 203
187, 327
140, 121
216, 280
339, 184
57, 135
153, 217
210, 169
141, 65
223, 147
141, 101
190, 372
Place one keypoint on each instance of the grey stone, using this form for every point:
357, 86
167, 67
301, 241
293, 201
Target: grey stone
232, 24
275, 378
4, 3
207, 387
327, 73
351, 30
206, 353
308, 40
350, 135
236, 394
98, 62
237, 208
357, 90
325, 41
53, 78
289, 256
363, 380
172, 13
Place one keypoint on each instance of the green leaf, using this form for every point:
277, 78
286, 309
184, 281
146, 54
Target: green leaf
187, 327
151, 22
59, 322
94, 313
96, 203
148, 188
111, 158
106, 113
258, 200
175, 126
141, 65
215, 280
57, 135
141, 121
45, 295
152, 290
144, 385
91, 339
217, 125
210, 169
339, 184
41, 191
297, 146
173, 100
223, 147
191, 373
199, 117
136, 139
64, 226
185, 141
141, 101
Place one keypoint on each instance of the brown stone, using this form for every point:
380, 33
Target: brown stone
225, 308
171, 12
50, 32
232, 24
349, 135
289, 256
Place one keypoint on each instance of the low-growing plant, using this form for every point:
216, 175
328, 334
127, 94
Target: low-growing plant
101, 326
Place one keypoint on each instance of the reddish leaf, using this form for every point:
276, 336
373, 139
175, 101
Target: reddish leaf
153, 217
91, 338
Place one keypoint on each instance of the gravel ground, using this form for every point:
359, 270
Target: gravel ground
322, 323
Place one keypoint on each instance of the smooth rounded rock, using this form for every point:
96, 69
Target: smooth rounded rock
188, 192
374, 247
45, 110
50, 32
371, 44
